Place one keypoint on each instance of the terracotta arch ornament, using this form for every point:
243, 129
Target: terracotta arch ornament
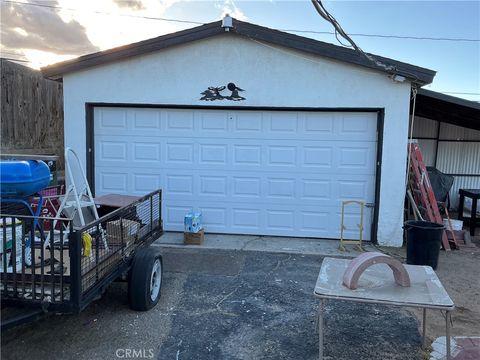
358, 265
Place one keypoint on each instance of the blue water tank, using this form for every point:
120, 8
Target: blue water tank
22, 178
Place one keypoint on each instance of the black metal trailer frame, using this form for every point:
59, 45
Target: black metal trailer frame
71, 267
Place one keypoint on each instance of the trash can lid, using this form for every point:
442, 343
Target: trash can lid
425, 225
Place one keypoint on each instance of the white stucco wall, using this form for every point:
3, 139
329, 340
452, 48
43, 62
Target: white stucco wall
272, 77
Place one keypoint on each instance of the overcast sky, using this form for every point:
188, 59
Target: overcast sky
62, 29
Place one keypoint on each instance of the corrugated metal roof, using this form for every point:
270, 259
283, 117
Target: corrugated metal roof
447, 109
450, 99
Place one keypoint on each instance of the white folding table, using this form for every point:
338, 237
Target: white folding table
376, 285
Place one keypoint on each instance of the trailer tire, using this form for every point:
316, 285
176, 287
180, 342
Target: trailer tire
145, 279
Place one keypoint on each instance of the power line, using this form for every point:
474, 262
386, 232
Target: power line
104, 12
323, 12
289, 30
386, 36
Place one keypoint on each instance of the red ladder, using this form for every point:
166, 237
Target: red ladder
423, 192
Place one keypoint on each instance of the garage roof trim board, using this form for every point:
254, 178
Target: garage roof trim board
413, 73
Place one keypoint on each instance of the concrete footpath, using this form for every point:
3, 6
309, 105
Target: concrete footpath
272, 244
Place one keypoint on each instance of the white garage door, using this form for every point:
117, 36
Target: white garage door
248, 172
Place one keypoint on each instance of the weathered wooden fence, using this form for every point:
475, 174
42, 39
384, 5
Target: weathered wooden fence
31, 112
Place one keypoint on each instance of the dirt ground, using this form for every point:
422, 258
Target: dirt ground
459, 271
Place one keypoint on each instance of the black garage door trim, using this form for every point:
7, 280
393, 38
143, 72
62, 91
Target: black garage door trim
90, 155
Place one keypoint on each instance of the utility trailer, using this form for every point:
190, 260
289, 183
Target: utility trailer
67, 267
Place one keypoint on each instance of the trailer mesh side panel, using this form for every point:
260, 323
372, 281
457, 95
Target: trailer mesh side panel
110, 242
33, 260
46, 261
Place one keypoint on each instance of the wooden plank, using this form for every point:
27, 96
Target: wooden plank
115, 200
31, 112
418, 185
425, 182
421, 183
29, 157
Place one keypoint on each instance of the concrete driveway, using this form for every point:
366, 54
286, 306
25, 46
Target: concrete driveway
222, 304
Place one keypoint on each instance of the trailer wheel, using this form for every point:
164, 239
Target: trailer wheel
145, 279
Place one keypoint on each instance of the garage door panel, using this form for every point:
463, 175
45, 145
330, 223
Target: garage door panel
280, 188
113, 181
246, 219
247, 123
215, 217
215, 186
179, 185
318, 124
146, 120
244, 124
353, 158
126, 181
315, 190
111, 120
280, 123
149, 152
314, 221
247, 186
247, 155
144, 183
354, 124
240, 187
278, 220
216, 154
282, 155
113, 151
353, 189
213, 122
317, 156
179, 153
126, 151
248, 172
173, 215
356, 157
180, 121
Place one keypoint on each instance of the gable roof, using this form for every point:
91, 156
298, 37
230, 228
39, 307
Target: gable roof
414, 73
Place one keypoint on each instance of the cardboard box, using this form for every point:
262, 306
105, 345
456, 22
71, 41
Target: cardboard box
193, 222
114, 232
193, 238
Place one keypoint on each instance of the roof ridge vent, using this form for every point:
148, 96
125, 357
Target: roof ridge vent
227, 22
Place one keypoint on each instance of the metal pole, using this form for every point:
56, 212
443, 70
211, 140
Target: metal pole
75, 252
447, 319
424, 325
320, 330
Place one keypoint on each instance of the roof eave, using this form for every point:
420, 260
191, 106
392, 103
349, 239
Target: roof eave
448, 109
421, 76
57, 70
416, 74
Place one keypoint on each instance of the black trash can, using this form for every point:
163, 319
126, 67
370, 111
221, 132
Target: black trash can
423, 242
